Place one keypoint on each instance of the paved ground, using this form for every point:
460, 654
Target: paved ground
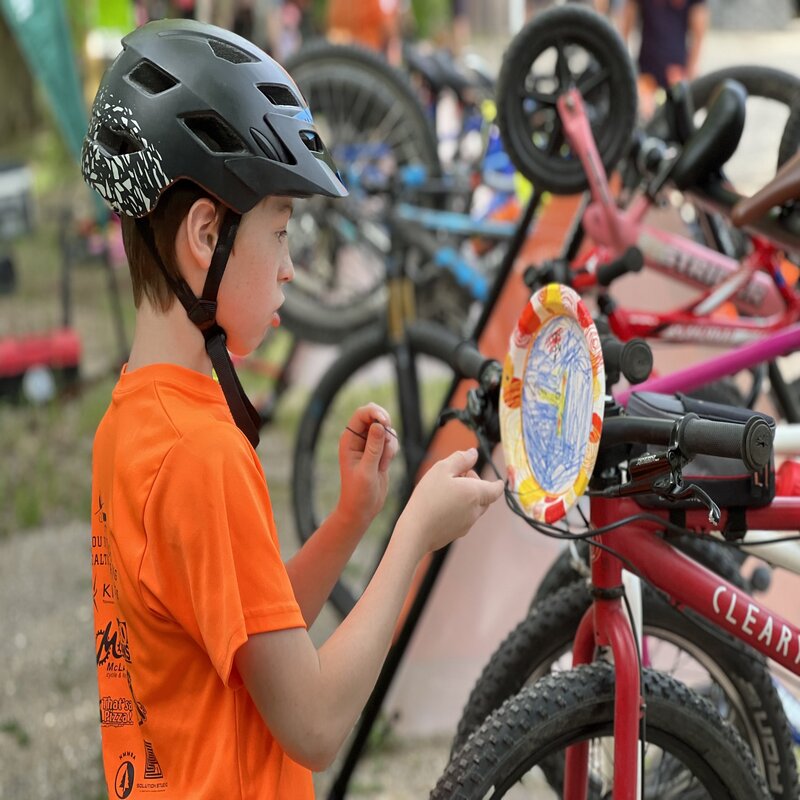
48, 711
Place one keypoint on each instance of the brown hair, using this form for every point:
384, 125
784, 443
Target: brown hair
147, 279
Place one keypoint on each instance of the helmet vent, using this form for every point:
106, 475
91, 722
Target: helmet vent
116, 142
272, 146
230, 52
150, 78
278, 95
215, 134
312, 141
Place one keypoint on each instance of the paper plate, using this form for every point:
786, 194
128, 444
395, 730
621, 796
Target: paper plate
551, 402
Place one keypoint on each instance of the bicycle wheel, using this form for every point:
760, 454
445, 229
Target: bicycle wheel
790, 140
734, 678
518, 751
374, 125
564, 47
365, 371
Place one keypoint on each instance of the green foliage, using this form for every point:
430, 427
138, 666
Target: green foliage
16, 731
47, 475
431, 17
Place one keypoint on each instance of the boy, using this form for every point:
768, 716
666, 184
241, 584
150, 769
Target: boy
209, 684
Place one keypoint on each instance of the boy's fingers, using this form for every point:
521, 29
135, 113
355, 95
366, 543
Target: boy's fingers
389, 452
491, 491
366, 415
462, 460
373, 450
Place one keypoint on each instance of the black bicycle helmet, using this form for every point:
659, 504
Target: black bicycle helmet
189, 101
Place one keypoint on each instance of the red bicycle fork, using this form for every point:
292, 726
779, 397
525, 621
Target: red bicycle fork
606, 624
689, 586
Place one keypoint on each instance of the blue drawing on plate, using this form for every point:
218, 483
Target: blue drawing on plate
557, 404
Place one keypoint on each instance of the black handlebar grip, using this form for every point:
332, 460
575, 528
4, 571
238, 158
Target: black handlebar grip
636, 361
757, 443
469, 361
751, 442
463, 356
631, 260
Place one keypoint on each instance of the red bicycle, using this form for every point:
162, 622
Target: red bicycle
610, 728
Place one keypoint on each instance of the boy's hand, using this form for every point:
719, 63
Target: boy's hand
366, 448
449, 499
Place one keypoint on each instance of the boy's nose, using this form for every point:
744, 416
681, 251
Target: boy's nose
286, 273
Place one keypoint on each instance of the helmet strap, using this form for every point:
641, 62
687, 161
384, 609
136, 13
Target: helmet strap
202, 312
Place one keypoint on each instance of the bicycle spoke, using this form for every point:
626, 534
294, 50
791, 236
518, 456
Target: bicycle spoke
562, 67
556, 140
589, 82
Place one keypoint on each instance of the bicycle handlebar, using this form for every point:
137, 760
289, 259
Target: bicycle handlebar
461, 355
631, 260
751, 442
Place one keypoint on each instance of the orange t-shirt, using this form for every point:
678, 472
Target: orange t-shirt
185, 566
368, 22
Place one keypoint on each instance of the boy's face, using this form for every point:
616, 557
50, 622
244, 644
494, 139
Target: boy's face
251, 289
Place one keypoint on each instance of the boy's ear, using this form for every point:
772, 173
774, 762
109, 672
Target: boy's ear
197, 235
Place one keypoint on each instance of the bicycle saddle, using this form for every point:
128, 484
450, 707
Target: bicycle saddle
783, 187
715, 141
679, 113
437, 69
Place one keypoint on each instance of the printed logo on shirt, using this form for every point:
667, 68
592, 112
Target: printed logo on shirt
152, 769
101, 551
106, 595
112, 649
124, 780
115, 712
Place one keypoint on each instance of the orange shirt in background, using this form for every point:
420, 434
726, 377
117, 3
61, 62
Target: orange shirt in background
368, 22
185, 566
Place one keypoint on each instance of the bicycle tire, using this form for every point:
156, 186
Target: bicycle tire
612, 114
790, 140
352, 93
547, 631
345, 385
535, 725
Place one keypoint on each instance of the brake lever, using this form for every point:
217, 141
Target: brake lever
693, 490
661, 474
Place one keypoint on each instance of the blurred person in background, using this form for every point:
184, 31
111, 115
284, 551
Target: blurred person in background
671, 37
372, 23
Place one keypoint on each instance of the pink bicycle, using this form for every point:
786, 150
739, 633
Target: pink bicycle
566, 106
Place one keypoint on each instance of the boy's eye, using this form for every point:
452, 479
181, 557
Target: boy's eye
282, 235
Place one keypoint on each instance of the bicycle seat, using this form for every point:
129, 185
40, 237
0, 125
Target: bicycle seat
715, 141
679, 113
424, 65
783, 187
437, 70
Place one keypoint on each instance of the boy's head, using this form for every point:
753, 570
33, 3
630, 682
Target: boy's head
189, 110
193, 127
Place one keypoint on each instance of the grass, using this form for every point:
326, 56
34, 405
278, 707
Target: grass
46, 475
16, 731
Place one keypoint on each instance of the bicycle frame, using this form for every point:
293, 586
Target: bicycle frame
756, 285
688, 586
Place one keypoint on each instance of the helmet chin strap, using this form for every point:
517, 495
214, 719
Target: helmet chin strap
202, 311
